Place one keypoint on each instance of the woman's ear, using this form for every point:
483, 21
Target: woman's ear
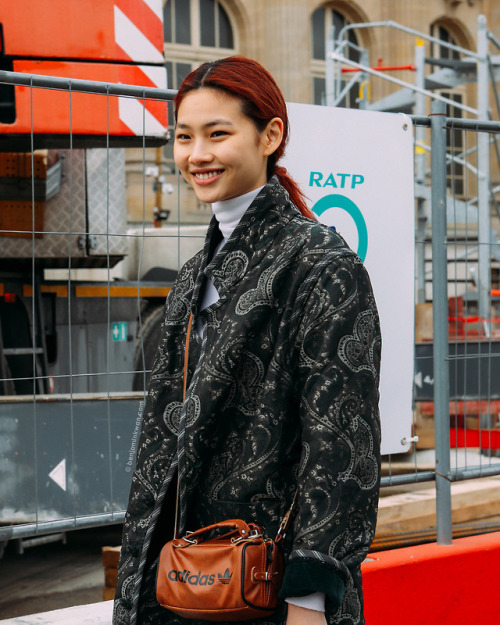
272, 136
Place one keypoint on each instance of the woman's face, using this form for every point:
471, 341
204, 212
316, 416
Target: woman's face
218, 149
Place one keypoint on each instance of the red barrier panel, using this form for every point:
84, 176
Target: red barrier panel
487, 439
433, 584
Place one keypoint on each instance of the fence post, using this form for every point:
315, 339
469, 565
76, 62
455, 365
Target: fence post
420, 163
483, 192
440, 323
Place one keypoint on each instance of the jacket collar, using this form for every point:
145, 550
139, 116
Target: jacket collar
249, 242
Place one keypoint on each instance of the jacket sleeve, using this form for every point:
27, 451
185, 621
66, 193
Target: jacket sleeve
339, 472
156, 446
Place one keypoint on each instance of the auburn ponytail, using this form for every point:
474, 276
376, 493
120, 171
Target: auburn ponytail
261, 100
294, 191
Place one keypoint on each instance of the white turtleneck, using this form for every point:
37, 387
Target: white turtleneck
229, 213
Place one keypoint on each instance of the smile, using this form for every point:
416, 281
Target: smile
207, 175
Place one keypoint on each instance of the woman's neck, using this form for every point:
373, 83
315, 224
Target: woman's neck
229, 212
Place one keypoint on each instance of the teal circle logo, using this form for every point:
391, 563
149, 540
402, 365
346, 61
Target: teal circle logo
340, 201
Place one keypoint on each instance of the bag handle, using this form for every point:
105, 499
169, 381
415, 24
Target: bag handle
237, 526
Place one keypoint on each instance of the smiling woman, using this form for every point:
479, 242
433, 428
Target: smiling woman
256, 98
217, 148
282, 371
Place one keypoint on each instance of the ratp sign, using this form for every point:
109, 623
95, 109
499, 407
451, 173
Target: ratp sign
356, 170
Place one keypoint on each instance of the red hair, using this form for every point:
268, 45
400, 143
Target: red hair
261, 101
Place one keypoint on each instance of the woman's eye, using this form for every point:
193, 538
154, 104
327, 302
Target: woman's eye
182, 137
219, 133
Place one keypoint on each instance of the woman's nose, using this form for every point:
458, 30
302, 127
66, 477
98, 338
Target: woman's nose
200, 153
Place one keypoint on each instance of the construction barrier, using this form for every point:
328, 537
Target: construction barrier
434, 584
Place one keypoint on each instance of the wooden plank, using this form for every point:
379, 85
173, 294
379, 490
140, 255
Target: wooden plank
424, 428
471, 500
423, 322
464, 407
392, 540
110, 577
108, 594
110, 557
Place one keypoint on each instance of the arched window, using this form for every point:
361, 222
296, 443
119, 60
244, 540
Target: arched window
442, 51
321, 21
215, 27
198, 23
196, 31
444, 56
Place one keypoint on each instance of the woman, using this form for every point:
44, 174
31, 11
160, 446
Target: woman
283, 368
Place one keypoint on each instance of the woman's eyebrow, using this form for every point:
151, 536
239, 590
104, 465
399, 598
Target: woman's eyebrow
210, 124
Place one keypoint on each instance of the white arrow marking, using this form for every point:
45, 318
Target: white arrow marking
418, 379
58, 474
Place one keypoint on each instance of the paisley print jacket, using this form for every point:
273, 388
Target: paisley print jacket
282, 395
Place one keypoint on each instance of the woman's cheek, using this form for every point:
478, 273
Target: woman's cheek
179, 156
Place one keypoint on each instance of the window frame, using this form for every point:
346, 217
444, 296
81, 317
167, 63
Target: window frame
318, 66
195, 48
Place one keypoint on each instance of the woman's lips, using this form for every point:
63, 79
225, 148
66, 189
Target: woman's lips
207, 177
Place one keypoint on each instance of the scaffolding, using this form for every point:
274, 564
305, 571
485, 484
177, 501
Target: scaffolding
480, 67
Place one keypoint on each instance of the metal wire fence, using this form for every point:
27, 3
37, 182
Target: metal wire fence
77, 336
456, 357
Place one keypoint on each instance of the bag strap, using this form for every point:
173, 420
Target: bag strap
186, 357
287, 519
184, 388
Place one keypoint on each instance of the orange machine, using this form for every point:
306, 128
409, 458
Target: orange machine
112, 41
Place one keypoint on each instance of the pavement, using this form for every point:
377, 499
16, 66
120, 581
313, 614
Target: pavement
55, 576
90, 614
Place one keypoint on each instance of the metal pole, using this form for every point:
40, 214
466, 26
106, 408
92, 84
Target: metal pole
85, 86
440, 322
405, 29
483, 200
420, 169
364, 83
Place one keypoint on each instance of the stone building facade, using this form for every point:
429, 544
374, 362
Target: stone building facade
288, 37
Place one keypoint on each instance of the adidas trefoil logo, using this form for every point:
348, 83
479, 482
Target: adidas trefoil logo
226, 578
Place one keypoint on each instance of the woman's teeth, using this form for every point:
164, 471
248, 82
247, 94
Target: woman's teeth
209, 174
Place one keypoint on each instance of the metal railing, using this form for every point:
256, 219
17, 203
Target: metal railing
448, 466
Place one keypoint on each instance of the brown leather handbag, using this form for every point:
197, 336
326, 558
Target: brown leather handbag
223, 572
232, 576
